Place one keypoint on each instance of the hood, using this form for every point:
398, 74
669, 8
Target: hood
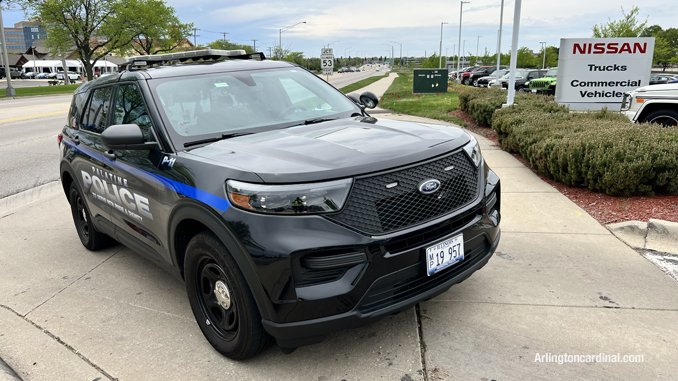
334, 149
673, 87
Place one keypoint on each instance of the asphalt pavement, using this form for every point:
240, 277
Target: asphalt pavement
560, 285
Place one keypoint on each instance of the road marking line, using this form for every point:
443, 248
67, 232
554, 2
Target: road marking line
51, 104
33, 116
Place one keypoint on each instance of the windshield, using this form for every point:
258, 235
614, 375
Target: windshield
254, 100
519, 74
551, 73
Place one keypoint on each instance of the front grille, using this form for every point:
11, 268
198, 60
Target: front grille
536, 84
375, 209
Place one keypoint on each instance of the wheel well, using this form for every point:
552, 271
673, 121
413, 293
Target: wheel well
185, 231
66, 181
652, 107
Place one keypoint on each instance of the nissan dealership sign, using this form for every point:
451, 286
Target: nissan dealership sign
595, 72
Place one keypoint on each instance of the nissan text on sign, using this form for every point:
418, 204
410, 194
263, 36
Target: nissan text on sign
595, 72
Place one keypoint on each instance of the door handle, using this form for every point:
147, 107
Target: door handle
76, 140
110, 154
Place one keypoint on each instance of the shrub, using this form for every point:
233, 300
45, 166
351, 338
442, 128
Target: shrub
602, 150
481, 103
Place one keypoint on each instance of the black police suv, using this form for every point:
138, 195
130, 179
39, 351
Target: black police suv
288, 211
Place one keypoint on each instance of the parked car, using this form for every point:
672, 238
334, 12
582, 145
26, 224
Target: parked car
545, 84
465, 76
28, 75
73, 76
454, 74
657, 79
652, 104
289, 212
522, 76
483, 71
13, 72
485, 81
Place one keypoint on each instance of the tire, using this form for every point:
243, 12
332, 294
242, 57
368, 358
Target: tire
475, 83
90, 237
234, 330
666, 118
466, 81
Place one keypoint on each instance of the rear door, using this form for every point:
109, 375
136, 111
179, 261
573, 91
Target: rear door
87, 160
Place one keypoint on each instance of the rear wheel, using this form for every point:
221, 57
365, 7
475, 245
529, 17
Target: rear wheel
221, 300
90, 237
667, 118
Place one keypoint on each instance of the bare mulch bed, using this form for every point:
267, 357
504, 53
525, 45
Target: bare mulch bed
604, 208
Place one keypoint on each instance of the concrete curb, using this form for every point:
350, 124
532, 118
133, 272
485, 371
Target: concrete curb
12, 203
657, 235
6, 373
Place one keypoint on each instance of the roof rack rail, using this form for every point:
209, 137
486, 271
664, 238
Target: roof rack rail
135, 62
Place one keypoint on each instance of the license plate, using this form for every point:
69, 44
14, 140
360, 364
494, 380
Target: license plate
444, 254
534, 90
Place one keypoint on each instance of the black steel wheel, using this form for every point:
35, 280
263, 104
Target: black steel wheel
667, 118
221, 300
90, 237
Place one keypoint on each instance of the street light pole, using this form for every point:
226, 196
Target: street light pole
514, 55
477, 47
280, 36
543, 47
9, 91
400, 62
461, 11
501, 21
440, 63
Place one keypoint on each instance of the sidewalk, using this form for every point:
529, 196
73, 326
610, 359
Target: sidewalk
559, 283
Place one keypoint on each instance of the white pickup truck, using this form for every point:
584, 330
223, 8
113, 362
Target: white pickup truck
652, 104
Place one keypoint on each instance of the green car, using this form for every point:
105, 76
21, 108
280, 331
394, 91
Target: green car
546, 84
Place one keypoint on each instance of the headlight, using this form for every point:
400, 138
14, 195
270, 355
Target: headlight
473, 151
311, 198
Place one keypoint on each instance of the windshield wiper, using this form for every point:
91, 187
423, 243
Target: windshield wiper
317, 120
216, 138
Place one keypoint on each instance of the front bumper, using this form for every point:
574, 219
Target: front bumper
388, 295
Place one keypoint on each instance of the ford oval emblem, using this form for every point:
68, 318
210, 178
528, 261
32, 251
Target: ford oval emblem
429, 186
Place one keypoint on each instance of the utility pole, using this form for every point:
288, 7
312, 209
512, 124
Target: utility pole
9, 91
501, 21
224, 33
514, 55
255, 44
195, 35
269, 52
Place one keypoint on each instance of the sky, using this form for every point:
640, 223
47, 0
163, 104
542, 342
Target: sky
364, 27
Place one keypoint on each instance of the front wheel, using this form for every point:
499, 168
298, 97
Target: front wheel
475, 83
666, 118
221, 300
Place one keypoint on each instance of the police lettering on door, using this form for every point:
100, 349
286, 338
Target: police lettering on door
111, 189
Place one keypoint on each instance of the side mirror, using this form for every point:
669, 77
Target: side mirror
355, 98
369, 99
125, 137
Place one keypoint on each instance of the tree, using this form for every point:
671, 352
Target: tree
526, 59
628, 26
94, 27
664, 53
651, 31
157, 30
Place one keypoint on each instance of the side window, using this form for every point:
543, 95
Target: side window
97, 112
130, 109
75, 113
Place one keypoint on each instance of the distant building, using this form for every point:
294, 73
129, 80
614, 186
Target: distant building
23, 35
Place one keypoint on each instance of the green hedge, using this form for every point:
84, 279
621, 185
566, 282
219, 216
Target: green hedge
602, 150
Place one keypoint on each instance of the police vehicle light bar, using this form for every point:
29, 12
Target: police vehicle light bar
193, 55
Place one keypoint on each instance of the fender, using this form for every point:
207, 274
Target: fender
192, 210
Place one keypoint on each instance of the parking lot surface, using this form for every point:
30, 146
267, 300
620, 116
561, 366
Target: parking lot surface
559, 284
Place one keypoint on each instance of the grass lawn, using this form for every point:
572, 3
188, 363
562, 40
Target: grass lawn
42, 90
399, 99
362, 83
